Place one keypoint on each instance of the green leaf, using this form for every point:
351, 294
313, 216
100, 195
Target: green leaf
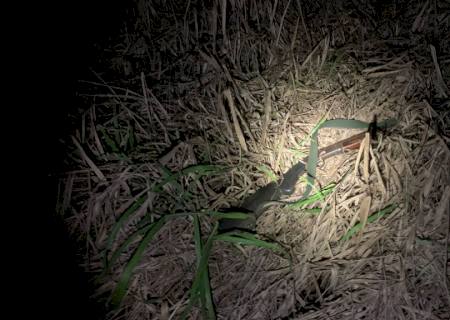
248, 239
357, 227
109, 141
320, 195
115, 256
202, 271
125, 216
268, 172
230, 215
124, 280
207, 305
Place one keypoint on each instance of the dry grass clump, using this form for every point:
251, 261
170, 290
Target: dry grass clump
241, 85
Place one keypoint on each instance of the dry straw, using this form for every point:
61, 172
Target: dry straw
218, 90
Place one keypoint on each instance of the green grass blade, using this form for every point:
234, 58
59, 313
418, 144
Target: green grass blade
297, 154
320, 195
200, 274
268, 172
125, 216
167, 177
109, 141
122, 285
312, 132
198, 250
345, 124
142, 229
248, 239
116, 254
357, 227
131, 142
197, 239
229, 215
207, 305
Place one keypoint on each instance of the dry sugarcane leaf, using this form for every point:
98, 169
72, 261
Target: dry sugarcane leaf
267, 114
225, 118
281, 143
364, 209
366, 143
377, 171
88, 161
237, 127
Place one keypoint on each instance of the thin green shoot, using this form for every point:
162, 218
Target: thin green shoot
122, 286
245, 238
199, 278
374, 217
124, 217
268, 172
109, 141
318, 196
206, 303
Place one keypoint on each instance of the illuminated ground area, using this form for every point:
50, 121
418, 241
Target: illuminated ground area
234, 90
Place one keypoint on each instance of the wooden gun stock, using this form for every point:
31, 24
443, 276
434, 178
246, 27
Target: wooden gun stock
351, 143
290, 178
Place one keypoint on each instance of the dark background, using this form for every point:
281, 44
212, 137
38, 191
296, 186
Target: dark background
55, 48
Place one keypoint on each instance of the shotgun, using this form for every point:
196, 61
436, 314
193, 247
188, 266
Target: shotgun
291, 177
258, 202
